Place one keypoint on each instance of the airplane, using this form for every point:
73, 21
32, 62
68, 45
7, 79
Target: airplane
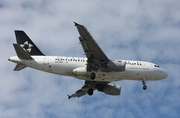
97, 70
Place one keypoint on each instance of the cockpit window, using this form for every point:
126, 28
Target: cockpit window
156, 66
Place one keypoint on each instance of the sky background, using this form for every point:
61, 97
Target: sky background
147, 30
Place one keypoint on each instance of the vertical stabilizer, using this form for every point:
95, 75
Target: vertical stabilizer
25, 42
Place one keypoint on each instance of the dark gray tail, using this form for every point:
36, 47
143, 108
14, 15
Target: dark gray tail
25, 42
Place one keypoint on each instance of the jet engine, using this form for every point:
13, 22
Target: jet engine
81, 71
117, 65
111, 89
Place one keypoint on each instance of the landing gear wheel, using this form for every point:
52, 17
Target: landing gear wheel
144, 87
90, 91
93, 76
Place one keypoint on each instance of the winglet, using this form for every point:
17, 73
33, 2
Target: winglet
76, 24
69, 96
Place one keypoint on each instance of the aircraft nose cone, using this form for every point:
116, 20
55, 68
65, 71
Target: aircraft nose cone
165, 74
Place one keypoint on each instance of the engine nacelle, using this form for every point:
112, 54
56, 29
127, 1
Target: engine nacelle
117, 65
81, 71
111, 89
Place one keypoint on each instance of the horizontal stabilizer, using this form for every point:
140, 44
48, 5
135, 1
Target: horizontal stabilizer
21, 53
19, 67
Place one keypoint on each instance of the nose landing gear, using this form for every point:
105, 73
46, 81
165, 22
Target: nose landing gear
144, 85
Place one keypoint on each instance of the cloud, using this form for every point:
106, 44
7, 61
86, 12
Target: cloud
143, 30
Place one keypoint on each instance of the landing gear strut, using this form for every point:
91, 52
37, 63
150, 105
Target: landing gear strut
144, 85
93, 76
90, 91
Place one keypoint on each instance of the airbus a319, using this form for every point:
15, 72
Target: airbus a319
97, 70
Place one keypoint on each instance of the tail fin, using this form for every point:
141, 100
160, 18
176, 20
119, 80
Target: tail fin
25, 42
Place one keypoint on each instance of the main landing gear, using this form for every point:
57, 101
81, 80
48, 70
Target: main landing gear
93, 76
90, 91
144, 85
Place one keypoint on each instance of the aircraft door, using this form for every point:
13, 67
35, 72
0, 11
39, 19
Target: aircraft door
46, 61
145, 66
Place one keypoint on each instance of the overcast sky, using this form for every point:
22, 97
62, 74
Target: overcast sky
147, 30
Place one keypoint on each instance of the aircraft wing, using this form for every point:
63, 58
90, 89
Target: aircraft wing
95, 85
91, 48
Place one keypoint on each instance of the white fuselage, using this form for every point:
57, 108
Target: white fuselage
134, 70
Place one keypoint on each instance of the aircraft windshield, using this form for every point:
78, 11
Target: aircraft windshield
156, 66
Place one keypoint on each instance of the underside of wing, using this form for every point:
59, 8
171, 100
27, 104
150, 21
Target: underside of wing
81, 92
88, 88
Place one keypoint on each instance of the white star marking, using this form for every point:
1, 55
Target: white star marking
27, 46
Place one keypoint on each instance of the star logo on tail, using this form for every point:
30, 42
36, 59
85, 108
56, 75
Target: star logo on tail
27, 46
